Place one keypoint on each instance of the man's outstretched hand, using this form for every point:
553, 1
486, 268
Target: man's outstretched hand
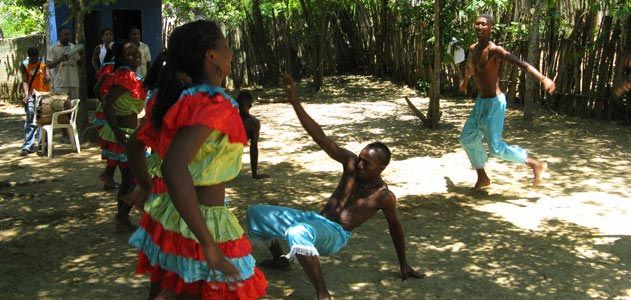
290, 87
549, 85
407, 271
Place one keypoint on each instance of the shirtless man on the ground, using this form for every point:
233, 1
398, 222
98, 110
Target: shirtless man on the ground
486, 120
359, 195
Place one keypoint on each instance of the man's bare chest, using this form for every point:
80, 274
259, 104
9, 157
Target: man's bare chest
484, 61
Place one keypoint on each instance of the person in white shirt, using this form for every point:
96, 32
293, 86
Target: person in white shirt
98, 55
134, 37
65, 68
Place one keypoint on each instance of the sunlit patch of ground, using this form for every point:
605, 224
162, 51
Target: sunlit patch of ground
569, 238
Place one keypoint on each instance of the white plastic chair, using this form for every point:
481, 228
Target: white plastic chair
71, 126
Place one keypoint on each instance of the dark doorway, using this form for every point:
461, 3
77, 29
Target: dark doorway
123, 20
93, 25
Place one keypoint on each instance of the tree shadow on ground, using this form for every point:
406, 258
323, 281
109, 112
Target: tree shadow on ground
60, 243
467, 254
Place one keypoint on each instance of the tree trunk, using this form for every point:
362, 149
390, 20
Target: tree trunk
434, 101
533, 58
319, 44
82, 113
381, 39
267, 59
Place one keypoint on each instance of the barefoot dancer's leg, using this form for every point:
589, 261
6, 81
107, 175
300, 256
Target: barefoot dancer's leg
123, 223
538, 167
483, 179
471, 140
107, 176
311, 265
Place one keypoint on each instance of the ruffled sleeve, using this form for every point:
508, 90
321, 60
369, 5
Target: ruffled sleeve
125, 78
212, 111
107, 69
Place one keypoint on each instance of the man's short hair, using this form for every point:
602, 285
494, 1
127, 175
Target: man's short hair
488, 17
244, 97
32, 52
383, 150
132, 29
61, 28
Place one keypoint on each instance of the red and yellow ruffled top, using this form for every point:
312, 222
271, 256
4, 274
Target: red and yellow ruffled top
106, 69
133, 99
219, 158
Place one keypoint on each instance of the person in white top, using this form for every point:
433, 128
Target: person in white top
98, 55
65, 67
134, 37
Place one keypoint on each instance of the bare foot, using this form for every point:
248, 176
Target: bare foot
282, 264
538, 170
482, 182
324, 296
108, 182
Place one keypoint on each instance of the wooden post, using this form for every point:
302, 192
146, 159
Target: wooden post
433, 112
82, 114
533, 58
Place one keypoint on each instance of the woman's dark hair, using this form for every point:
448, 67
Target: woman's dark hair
106, 30
153, 75
186, 51
119, 56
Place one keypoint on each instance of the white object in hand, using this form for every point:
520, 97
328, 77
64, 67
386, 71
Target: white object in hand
76, 49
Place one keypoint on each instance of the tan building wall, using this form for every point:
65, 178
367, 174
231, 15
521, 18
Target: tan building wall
12, 52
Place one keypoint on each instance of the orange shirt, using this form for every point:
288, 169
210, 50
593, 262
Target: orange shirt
39, 83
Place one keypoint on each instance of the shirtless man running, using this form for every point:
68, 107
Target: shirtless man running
359, 195
486, 120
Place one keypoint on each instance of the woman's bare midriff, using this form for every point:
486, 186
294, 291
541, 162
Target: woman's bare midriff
211, 195
127, 121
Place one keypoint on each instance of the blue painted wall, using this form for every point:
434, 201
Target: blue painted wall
151, 15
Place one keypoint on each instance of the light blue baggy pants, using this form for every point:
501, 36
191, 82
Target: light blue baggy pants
486, 121
307, 232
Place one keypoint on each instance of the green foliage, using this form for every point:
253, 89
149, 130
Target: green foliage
423, 87
17, 20
227, 12
31, 3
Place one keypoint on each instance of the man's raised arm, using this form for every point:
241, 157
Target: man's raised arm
548, 84
315, 131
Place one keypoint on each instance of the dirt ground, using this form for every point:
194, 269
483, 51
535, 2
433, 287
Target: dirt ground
570, 238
